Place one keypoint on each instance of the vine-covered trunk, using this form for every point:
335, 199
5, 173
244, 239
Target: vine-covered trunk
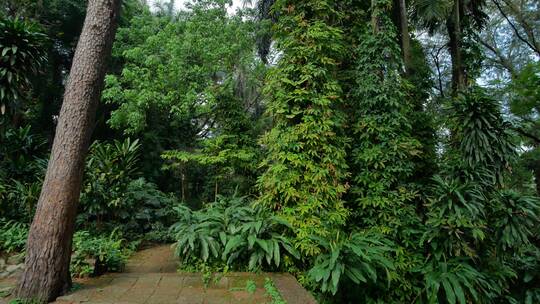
455, 34
46, 275
405, 36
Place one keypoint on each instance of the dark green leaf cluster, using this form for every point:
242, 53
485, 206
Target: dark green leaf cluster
305, 162
21, 57
233, 231
383, 148
115, 196
13, 236
95, 255
22, 168
358, 257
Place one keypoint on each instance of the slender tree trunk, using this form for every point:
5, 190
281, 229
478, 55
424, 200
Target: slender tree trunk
405, 36
46, 274
453, 25
216, 192
374, 17
537, 177
183, 176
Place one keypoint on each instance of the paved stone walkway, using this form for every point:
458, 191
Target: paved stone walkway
150, 277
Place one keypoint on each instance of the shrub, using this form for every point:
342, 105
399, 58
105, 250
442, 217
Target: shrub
95, 255
455, 281
234, 231
115, 197
22, 167
358, 257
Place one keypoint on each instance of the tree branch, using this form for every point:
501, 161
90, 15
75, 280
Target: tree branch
535, 138
533, 47
503, 60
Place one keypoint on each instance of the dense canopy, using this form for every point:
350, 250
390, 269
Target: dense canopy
382, 151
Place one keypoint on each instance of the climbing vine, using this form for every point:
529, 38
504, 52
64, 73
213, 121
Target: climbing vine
305, 164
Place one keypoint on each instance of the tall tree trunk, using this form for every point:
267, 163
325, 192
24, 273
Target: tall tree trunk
46, 275
453, 25
374, 18
537, 177
405, 36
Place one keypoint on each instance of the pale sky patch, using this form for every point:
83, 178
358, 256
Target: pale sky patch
180, 4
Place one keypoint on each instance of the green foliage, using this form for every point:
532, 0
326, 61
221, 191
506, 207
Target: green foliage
201, 84
484, 141
251, 287
13, 236
24, 301
113, 196
382, 147
233, 231
22, 168
355, 194
524, 95
21, 57
183, 77
305, 167
514, 219
94, 255
358, 257
455, 281
525, 92
109, 169
455, 218
273, 292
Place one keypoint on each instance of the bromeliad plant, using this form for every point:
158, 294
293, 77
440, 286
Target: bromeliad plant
233, 231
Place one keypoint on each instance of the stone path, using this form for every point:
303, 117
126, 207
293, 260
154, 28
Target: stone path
159, 259
150, 277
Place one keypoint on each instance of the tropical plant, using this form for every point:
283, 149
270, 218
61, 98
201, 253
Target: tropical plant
13, 236
514, 219
359, 257
233, 231
95, 255
455, 281
22, 168
21, 57
455, 218
109, 169
305, 167
382, 147
481, 135
114, 196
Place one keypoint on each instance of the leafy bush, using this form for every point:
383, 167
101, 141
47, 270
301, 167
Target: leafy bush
455, 218
515, 219
234, 231
13, 236
95, 255
22, 56
455, 281
22, 168
114, 196
358, 257
109, 169
480, 134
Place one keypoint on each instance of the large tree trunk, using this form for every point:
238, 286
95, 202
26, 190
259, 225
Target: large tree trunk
46, 275
453, 24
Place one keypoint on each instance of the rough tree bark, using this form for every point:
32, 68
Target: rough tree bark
46, 275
